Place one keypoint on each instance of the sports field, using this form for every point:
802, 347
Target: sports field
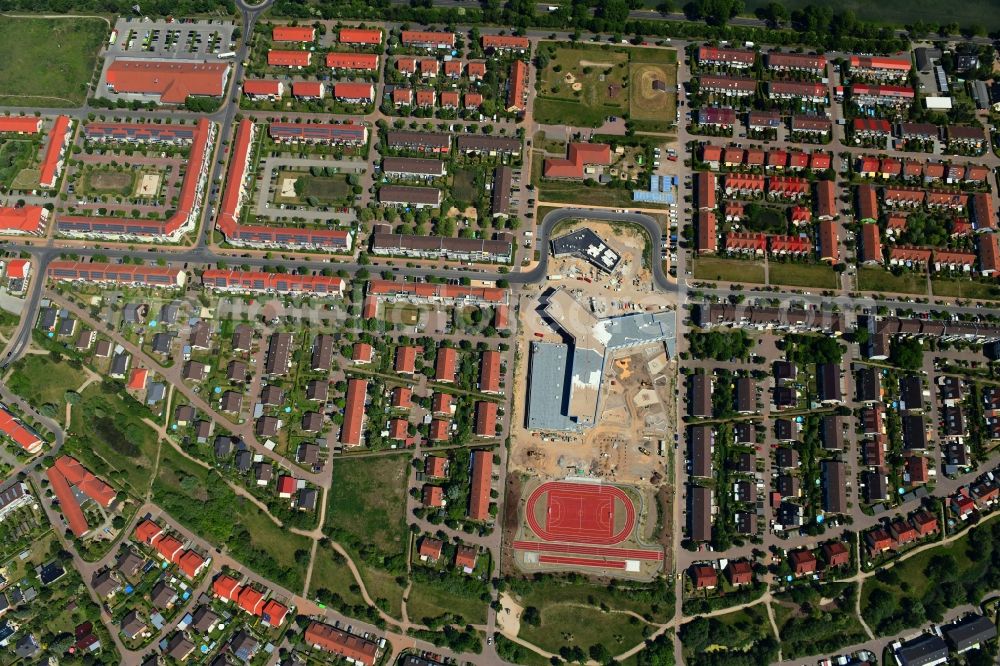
48, 62
653, 89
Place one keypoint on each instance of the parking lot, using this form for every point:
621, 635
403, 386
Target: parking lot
195, 40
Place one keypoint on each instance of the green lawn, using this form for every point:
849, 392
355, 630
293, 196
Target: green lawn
110, 181
48, 62
59, 378
199, 499
965, 288
108, 436
819, 276
571, 625
721, 269
368, 500
880, 280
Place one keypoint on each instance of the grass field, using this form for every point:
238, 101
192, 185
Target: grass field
15, 155
728, 270
109, 180
59, 378
430, 600
199, 499
583, 85
819, 276
108, 436
368, 500
965, 288
402, 313
48, 62
26, 179
880, 280
367, 515
572, 625
325, 189
655, 601
330, 572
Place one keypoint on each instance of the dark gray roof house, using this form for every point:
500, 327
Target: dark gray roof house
231, 402
242, 338
969, 632
307, 453
223, 447
700, 452
119, 365
244, 460
828, 383
161, 342
307, 499
921, 651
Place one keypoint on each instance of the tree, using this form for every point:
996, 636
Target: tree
531, 616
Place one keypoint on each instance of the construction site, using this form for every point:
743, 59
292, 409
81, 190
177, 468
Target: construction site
597, 371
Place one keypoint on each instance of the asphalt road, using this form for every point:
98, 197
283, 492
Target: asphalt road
553, 218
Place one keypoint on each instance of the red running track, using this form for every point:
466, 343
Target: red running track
581, 561
626, 553
580, 513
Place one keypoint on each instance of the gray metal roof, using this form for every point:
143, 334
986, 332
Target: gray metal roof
547, 387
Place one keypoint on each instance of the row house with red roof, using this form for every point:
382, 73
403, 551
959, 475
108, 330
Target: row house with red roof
789, 188
714, 56
871, 128
250, 600
170, 549
955, 261
903, 197
882, 95
263, 89
910, 256
360, 36
880, 68
731, 86
355, 62
754, 243
828, 241
795, 62
789, 246
808, 91
743, 184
